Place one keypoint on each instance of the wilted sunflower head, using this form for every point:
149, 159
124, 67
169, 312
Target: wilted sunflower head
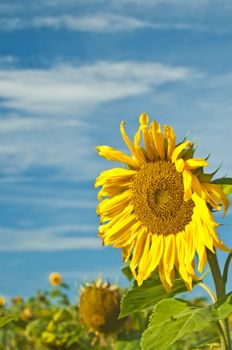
156, 207
100, 307
55, 279
2, 301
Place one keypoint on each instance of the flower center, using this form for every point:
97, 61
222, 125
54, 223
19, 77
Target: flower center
158, 198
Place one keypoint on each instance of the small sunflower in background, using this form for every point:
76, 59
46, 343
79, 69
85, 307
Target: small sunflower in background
18, 299
2, 301
157, 208
55, 279
100, 307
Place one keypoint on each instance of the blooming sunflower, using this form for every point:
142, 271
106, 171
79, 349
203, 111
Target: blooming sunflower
55, 279
158, 209
2, 301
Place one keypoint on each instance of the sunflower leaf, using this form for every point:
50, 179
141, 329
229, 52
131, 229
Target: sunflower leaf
173, 319
225, 183
127, 345
7, 319
149, 293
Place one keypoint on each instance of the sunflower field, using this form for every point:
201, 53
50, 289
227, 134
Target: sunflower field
48, 320
158, 208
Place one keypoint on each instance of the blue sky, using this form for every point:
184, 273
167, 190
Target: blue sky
70, 71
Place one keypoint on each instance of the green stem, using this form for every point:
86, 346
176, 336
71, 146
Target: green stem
220, 286
226, 267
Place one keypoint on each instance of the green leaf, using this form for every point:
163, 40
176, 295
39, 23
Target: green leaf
226, 184
173, 319
6, 319
127, 271
127, 345
149, 293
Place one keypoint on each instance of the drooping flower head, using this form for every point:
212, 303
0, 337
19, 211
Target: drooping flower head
100, 306
157, 207
55, 279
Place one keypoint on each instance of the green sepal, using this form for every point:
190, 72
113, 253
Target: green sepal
225, 183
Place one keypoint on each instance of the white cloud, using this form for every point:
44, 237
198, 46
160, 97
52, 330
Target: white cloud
97, 23
68, 92
65, 88
100, 23
7, 60
103, 23
44, 202
49, 238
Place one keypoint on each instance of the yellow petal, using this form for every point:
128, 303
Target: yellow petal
158, 139
137, 153
179, 164
195, 163
114, 176
118, 229
218, 195
138, 250
116, 203
171, 140
179, 149
155, 254
197, 187
126, 251
144, 119
169, 257
206, 238
112, 154
143, 260
203, 210
187, 180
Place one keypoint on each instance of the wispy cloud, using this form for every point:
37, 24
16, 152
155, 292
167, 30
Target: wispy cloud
54, 203
64, 88
98, 23
67, 93
7, 60
49, 238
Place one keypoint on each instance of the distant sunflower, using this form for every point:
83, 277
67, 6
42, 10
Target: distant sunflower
2, 301
157, 209
55, 279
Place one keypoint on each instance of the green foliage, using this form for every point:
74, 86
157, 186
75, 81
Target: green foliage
48, 321
6, 319
149, 293
172, 320
127, 345
225, 183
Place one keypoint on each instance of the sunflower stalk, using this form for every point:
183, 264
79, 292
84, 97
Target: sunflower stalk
220, 287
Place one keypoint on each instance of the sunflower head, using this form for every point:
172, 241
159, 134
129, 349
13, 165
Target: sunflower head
55, 279
26, 314
157, 207
100, 307
18, 299
2, 301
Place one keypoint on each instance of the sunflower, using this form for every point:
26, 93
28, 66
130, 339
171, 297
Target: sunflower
158, 207
55, 279
2, 301
100, 306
